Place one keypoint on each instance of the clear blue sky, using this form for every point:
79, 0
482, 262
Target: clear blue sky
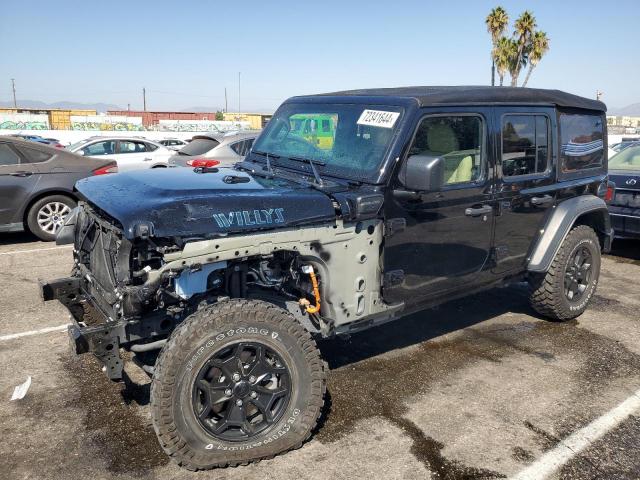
185, 53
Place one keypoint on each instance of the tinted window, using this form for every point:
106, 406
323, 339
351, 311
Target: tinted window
582, 141
243, 147
8, 156
107, 147
525, 144
199, 146
128, 146
458, 139
35, 156
150, 147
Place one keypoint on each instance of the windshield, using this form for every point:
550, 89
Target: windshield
199, 146
74, 146
627, 159
344, 140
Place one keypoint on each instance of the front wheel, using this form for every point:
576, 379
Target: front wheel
237, 382
564, 291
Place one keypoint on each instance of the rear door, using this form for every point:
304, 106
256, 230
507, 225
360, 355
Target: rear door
133, 155
525, 184
17, 180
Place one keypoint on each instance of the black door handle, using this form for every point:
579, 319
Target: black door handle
544, 200
21, 173
477, 211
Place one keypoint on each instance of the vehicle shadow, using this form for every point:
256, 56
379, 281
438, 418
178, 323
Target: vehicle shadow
426, 325
626, 248
18, 238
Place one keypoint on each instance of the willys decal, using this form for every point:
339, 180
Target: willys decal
249, 217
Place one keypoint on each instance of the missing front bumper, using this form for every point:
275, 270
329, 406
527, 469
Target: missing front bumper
102, 338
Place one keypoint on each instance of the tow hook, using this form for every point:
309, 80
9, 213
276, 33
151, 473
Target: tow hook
308, 269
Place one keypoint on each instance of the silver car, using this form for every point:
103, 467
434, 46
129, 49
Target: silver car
131, 153
205, 150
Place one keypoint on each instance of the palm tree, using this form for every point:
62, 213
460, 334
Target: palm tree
539, 46
504, 56
496, 22
524, 28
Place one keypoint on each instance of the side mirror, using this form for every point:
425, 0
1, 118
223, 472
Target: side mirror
80, 152
422, 173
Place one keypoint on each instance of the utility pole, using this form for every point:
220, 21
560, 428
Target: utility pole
128, 107
144, 99
238, 92
13, 86
226, 108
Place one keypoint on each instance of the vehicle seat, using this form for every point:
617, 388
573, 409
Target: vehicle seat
442, 141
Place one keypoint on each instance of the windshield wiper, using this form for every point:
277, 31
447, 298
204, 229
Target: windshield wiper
267, 155
311, 163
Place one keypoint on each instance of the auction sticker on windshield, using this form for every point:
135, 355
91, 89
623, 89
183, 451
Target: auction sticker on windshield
378, 118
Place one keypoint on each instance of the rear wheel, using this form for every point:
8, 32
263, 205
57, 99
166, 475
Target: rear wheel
47, 215
564, 291
237, 382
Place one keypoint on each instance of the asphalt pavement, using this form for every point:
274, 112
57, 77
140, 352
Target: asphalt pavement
478, 388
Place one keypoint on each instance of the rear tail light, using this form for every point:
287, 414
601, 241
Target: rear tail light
58, 145
202, 162
108, 169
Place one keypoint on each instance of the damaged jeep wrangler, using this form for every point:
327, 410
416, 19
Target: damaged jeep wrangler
351, 209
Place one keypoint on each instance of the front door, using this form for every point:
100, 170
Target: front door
440, 242
17, 180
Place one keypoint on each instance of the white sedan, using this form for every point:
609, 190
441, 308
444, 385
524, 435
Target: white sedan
131, 153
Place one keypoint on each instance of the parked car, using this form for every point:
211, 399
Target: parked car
224, 149
36, 185
624, 171
618, 147
38, 139
421, 195
172, 143
131, 153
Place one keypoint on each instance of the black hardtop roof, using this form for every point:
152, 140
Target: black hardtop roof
465, 95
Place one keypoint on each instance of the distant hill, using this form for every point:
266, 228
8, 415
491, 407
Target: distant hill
100, 107
632, 110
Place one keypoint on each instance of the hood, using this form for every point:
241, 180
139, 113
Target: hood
180, 202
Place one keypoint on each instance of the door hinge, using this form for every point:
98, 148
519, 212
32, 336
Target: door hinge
393, 278
394, 225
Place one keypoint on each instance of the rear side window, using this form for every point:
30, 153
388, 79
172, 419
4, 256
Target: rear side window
199, 146
35, 156
127, 146
151, 147
582, 139
242, 148
525, 144
8, 156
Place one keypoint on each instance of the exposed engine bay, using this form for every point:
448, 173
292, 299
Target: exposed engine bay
140, 290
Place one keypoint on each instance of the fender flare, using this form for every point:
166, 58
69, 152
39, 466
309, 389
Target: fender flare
559, 224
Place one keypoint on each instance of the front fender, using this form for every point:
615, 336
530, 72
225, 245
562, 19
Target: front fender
560, 223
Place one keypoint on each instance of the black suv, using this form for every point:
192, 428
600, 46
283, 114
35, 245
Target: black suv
387, 201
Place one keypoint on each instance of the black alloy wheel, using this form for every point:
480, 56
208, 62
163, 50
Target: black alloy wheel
241, 391
578, 274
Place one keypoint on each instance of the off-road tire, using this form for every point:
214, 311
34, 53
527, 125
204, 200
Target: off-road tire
196, 340
548, 296
32, 215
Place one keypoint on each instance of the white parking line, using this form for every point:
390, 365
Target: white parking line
36, 250
579, 440
33, 332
